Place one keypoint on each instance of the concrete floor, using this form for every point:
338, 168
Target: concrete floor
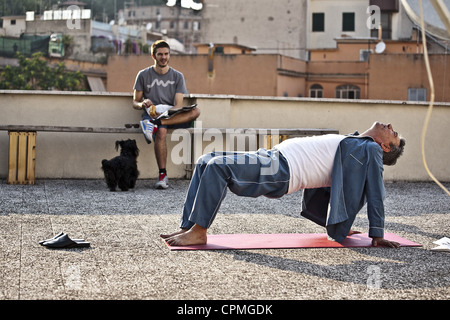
128, 260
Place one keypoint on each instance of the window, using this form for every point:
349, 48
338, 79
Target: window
196, 25
348, 21
13, 22
348, 92
318, 22
417, 94
386, 26
316, 91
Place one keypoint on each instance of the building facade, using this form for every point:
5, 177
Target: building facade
175, 22
269, 27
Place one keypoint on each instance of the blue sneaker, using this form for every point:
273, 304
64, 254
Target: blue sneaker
149, 129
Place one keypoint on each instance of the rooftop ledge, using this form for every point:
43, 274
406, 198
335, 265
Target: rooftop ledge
231, 97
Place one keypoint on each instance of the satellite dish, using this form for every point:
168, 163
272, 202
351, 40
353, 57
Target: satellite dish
380, 47
148, 26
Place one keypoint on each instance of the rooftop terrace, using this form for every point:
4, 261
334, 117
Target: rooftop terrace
128, 260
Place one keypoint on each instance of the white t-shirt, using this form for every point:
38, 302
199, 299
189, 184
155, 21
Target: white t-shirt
310, 160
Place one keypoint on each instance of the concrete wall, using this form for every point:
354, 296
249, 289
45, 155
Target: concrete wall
391, 75
383, 77
270, 27
78, 155
248, 74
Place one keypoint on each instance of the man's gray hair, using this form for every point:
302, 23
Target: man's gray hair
390, 158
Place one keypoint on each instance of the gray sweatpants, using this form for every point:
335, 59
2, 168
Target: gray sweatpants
249, 174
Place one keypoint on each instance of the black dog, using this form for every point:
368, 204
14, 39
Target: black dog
122, 170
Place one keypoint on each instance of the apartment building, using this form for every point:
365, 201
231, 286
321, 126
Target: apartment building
270, 27
182, 24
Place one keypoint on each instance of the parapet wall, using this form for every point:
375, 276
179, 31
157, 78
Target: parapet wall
78, 155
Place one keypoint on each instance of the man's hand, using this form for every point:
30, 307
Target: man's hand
146, 103
384, 243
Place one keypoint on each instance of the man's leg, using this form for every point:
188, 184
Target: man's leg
161, 144
183, 117
191, 194
245, 174
161, 148
205, 195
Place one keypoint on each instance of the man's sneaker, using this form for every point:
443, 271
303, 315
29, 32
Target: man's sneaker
163, 182
149, 130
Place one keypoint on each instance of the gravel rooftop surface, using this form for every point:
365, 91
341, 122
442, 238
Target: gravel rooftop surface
128, 260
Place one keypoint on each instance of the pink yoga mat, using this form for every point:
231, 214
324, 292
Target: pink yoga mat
287, 241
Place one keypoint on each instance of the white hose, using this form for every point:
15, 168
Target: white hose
430, 108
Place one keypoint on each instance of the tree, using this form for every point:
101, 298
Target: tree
35, 74
68, 43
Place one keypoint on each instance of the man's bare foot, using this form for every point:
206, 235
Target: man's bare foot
165, 236
194, 236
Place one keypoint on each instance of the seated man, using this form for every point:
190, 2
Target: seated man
160, 87
351, 167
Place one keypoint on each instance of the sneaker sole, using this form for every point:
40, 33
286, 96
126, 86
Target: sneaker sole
161, 186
